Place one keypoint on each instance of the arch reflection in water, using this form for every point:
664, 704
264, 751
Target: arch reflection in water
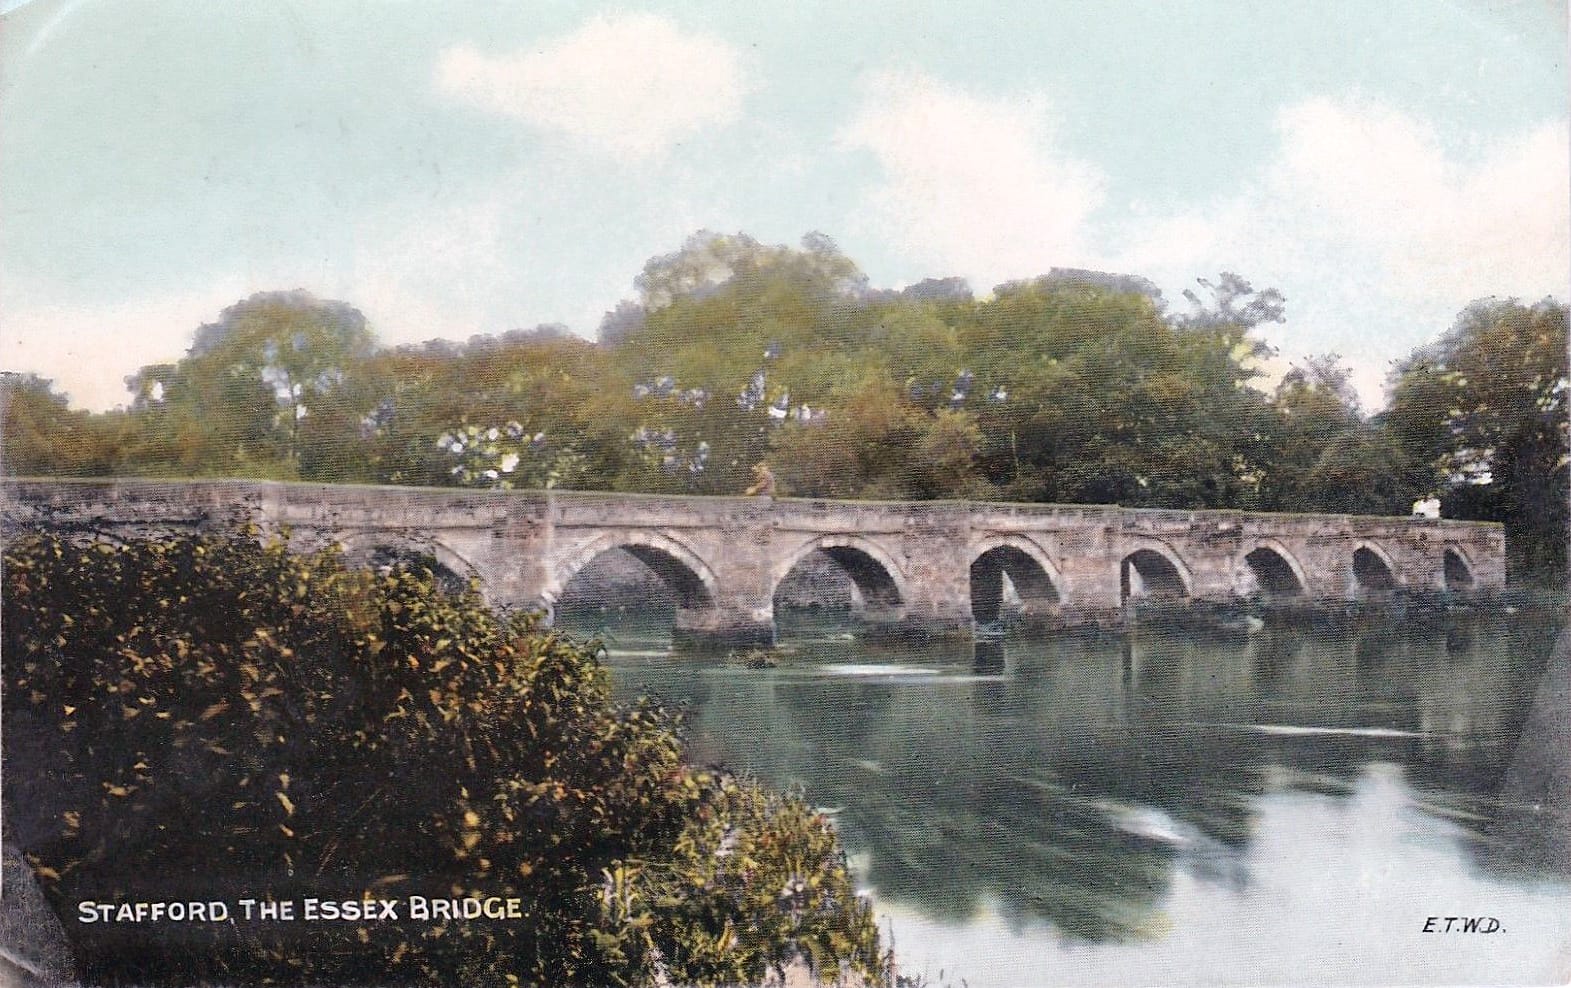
988, 657
1065, 784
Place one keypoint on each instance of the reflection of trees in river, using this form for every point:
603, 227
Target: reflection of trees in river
1472, 709
1064, 783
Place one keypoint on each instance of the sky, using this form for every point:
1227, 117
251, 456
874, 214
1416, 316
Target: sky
454, 168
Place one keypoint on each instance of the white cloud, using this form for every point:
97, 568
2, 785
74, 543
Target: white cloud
630, 84
436, 272
1440, 227
970, 185
1377, 233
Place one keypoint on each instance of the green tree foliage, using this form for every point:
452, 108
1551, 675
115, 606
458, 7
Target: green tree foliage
1077, 386
1323, 454
214, 718
1483, 411
862, 450
1103, 399
1233, 302
710, 260
551, 387
259, 393
42, 435
1361, 471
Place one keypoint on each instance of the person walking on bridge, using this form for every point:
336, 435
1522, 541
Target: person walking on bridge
763, 481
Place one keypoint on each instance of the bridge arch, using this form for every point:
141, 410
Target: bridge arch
379, 547
1371, 571
1273, 570
1036, 579
1456, 570
878, 578
690, 578
1151, 569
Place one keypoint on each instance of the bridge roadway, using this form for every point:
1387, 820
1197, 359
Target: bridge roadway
924, 567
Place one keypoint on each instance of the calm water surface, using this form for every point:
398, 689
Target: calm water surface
1284, 807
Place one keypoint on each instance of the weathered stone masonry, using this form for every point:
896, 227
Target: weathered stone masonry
927, 566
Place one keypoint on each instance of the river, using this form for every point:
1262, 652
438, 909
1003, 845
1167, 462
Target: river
1290, 806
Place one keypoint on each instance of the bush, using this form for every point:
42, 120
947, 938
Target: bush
215, 718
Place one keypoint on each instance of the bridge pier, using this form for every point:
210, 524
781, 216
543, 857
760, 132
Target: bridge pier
920, 627
714, 628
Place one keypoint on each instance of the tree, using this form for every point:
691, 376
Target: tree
1312, 408
42, 435
621, 322
943, 461
260, 391
1233, 301
553, 399
938, 290
1084, 392
1073, 386
862, 448
709, 260
1483, 410
1361, 471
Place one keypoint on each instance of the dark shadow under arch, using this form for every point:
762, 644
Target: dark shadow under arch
629, 591
839, 579
1371, 575
1458, 574
634, 574
1273, 574
1146, 574
817, 584
876, 585
691, 594
1032, 589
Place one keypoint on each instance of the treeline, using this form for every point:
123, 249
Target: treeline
1073, 387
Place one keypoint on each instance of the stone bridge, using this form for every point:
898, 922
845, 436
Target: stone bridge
926, 567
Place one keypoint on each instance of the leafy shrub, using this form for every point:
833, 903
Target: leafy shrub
217, 718
753, 882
